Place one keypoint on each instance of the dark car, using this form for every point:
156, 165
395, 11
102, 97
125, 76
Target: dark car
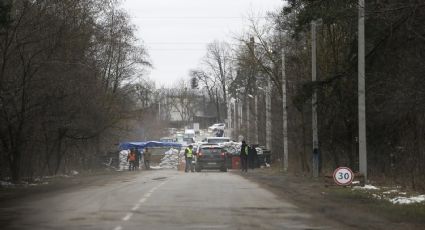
211, 157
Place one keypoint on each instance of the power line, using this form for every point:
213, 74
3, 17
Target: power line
197, 17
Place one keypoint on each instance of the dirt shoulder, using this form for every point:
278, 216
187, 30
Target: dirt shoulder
339, 206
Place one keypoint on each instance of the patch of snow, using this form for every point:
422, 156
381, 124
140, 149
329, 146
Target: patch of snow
355, 182
74, 173
408, 200
5, 184
376, 196
366, 187
156, 167
391, 191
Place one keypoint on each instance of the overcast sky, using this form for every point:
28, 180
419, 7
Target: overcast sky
176, 32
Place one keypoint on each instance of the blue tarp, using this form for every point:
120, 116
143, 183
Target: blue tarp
149, 144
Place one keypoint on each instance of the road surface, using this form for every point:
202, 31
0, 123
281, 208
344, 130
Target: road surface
161, 199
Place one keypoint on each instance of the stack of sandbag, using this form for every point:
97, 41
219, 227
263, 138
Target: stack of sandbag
232, 147
170, 159
123, 163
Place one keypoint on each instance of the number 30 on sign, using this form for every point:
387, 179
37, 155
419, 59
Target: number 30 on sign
343, 176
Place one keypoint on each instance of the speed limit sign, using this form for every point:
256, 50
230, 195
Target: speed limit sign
343, 176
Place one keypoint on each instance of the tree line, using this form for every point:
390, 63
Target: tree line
395, 44
69, 71
71, 84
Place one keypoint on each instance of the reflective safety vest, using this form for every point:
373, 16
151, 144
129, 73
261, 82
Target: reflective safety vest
189, 153
246, 150
132, 156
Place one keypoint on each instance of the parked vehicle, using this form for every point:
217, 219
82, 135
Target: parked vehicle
215, 127
264, 156
216, 140
189, 140
211, 157
167, 139
189, 133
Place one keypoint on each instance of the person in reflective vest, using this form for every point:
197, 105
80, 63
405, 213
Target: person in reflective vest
188, 154
244, 156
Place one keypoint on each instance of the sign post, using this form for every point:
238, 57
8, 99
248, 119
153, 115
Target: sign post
343, 176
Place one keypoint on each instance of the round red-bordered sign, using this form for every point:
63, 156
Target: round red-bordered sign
343, 176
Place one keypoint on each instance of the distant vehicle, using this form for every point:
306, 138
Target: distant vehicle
189, 140
189, 133
210, 157
167, 139
196, 127
216, 140
172, 131
215, 127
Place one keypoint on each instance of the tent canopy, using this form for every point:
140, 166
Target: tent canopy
148, 144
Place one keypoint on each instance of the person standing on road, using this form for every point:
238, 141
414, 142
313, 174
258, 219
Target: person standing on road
147, 159
131, 158
244, 156
252, 157
188, 155
138, 158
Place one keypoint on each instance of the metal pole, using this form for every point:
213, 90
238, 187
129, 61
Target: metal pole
159, 110
256, 118
240, 116
247, 120
362, 92
285, 116
229, 118
235, 114
314, 101
268, 116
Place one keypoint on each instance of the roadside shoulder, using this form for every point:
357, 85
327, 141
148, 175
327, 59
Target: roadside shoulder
340, 205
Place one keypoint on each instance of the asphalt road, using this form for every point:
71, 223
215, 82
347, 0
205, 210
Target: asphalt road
161, 199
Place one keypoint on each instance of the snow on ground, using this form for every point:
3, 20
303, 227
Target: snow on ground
393, 195
366, 187
408, 200
5, 184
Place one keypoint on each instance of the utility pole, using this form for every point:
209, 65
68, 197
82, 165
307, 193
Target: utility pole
235, 114
247, 119
268, 115
159, 109
285, 115
256, 118
314, 101
229, 118
362, 92
240, 116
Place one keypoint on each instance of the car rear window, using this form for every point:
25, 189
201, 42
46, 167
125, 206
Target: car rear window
211, 151
217, 141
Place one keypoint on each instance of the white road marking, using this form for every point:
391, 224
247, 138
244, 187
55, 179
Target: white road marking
127, 217
137, 206
148, 194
